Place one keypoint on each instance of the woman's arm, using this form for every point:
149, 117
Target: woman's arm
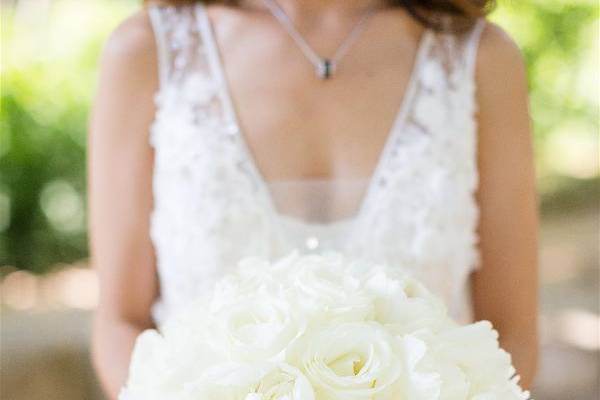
120, 197
505, 289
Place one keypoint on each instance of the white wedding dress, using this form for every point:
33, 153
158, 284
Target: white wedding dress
212, 207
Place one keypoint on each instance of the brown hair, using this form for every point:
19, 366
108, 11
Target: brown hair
440, 15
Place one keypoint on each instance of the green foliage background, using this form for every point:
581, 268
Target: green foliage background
49, 67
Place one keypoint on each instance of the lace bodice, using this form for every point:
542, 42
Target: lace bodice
212, 207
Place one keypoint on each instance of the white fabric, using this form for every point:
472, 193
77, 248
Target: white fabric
320, 201
212, 207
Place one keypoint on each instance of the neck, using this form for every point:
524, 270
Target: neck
312, 8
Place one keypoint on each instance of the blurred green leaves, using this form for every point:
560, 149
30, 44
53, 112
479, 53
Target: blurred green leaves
49, 67
559, 40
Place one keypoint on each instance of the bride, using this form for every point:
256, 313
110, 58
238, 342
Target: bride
392, 130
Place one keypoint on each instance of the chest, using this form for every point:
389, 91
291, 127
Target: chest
298, 126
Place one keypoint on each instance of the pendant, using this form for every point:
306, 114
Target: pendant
325, 69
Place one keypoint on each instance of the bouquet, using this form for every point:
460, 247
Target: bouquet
319, 327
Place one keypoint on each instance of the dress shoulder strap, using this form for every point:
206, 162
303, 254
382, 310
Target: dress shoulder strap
456, 53
177, 39
472, 46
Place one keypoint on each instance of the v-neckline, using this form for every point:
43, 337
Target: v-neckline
216, 64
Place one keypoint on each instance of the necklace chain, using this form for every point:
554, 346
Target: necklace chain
325, 67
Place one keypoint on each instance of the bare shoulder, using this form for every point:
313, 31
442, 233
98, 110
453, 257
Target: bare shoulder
128, 80
131, 47
505, 135
499, 59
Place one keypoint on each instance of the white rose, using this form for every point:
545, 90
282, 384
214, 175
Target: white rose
348, 361
471, 364
255, 327
416, 382
328, 295
162, 366
261, 381
404, 305
475, 347
287, 269
506, 391
253, 272
148, 357
322, 289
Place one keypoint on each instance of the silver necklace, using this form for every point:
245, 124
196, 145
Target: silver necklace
324, 67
